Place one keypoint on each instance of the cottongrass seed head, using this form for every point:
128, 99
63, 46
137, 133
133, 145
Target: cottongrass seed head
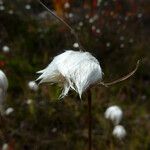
9, 110
114, 113
5, 146
33, 85
119, 132
3, 86
5, 49
74, 70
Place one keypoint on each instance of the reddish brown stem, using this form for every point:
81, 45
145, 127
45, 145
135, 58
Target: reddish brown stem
89, 119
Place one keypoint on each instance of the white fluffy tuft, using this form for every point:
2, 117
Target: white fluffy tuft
32, 85
9, 110
3, 86
74, 69
114, 113
119, 132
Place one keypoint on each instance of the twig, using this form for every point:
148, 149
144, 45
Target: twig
122, 78
65, 23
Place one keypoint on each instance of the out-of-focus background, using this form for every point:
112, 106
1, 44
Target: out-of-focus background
116, 32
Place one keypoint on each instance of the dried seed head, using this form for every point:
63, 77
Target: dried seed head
114, 113
74, 69
9, 110
5, 146
76, 45
3, 86
119, 132
33, 86
5, 49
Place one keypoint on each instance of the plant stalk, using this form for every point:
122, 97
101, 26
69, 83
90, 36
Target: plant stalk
89, 120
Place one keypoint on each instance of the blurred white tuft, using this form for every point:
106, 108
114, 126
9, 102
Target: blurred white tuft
3, 88
80, 24
93, 27
119, 132
2, 7
5, 49
139, 15
70, 15
75, 45
33, 86
9, 110
54, 130
121, 45
114, 113
98, 31
99, 2
131, 40
122, 38
87, 16
28, 6
108, 44
5, 146
29, 101
10, 12
91, 20
66, 5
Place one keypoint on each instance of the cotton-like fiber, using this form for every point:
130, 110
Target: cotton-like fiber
32, 85
76, 70
114, 113
3, 87
119, 132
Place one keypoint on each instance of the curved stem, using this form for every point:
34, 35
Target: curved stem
122, 78
65, 23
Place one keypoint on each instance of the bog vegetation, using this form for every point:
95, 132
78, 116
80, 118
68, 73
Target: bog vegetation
115, 32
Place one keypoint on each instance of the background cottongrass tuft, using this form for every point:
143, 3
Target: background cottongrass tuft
3, 88
9, 110
33, 85
119, 132
114, 113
